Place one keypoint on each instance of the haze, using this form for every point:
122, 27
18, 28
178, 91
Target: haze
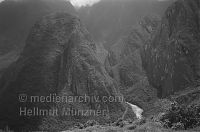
80, 3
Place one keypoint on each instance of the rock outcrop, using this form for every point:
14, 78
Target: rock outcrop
172, 58
59, 58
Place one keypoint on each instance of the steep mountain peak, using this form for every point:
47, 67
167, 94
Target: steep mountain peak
59, 58
17, 18
172, 58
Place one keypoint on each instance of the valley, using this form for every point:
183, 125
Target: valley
144, 52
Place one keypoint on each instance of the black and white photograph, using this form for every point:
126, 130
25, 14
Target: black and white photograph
99, 65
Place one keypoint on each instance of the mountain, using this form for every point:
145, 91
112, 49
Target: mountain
108, 20
18, 16
171, 59
59, 58
124, 63
7, 59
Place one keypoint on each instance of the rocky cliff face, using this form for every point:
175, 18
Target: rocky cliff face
124, 63
172, 58
59, 57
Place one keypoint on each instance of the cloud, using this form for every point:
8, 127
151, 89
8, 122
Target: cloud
79, 3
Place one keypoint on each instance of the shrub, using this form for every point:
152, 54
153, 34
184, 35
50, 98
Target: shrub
119, 123
91, 123
182, 117
178, 126
79, 126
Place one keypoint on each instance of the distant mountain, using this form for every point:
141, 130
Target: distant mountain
59, 58
18, 16
108, 20
172, 58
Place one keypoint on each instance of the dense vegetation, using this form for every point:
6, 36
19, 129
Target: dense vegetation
181, 117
